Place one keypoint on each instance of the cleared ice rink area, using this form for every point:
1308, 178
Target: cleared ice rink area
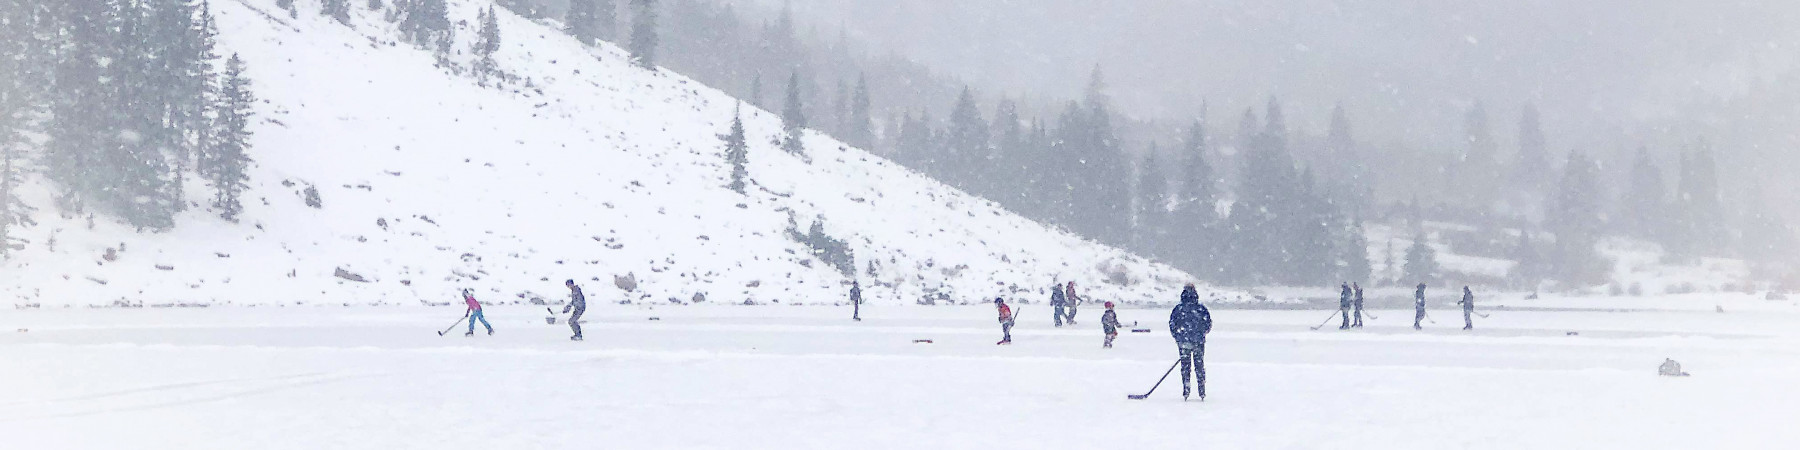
808, 377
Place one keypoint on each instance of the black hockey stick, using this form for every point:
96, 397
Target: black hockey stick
1158, 383
1334, 315
453, 326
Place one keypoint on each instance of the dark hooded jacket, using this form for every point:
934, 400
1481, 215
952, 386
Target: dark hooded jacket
1190, 322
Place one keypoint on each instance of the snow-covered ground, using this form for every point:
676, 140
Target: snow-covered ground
807, 377
587, 168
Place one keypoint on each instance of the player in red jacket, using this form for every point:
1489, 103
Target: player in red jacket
1006, 321
475, 313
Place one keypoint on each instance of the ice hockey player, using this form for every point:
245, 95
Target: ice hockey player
1073, 302
1006, 321
1670, 368
578, 303
1344, 306
1189, 324
474, 313
856, 301
1109, 323
1357, 304
1057, 302
1419, 306
1468, 304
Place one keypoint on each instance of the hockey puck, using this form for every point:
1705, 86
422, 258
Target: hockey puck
921, 341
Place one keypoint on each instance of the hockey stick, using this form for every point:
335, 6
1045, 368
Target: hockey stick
453, 326
1428, 319
1334, 315
1158, 383
1478, 313
1371, 315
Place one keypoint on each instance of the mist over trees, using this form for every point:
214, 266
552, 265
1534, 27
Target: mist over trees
1271, 203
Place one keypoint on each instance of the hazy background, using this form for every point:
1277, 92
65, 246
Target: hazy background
1406, 68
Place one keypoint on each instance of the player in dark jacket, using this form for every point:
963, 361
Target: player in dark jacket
577, 303
1468, 304
1109, 322
1057, 301
856, 301
1344, 306
1189, 324
1357, 304
1073, 301
1419, 306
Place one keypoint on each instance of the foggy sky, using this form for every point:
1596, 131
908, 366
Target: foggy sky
1404, 68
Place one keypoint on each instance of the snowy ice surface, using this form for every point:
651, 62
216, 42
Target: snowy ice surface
808, 377
593, 169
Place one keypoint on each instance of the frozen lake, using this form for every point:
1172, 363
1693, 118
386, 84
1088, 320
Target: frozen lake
807, 377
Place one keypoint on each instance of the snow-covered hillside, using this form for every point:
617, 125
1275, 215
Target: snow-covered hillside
584, 168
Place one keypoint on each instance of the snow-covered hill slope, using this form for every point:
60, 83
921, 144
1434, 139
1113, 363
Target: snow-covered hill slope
586, 168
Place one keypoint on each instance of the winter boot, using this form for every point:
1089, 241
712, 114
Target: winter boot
1007, 341
469, 334
575, 337
1185, 392
490, 332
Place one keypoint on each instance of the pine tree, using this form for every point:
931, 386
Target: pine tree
1575, 219
1421, 261
1192, 225
606, 20
643, 33
840, 110
1643, 209
1350, 178
1355, 254
1529, 268
1390, 267
1009, 167
336, 9
857, 128
139, 189
15, 107
967, 144
230, 177
580, 22
426, 23
756, 88
793, 119
737, 153
1099, 171
1152, 204
1700, 212
1531, 172
1474, 170
487, 42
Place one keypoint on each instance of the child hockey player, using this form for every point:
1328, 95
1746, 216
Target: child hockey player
1109, 322
1006, 321
474, 313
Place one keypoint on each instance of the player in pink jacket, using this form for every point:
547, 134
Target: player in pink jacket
475, 313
